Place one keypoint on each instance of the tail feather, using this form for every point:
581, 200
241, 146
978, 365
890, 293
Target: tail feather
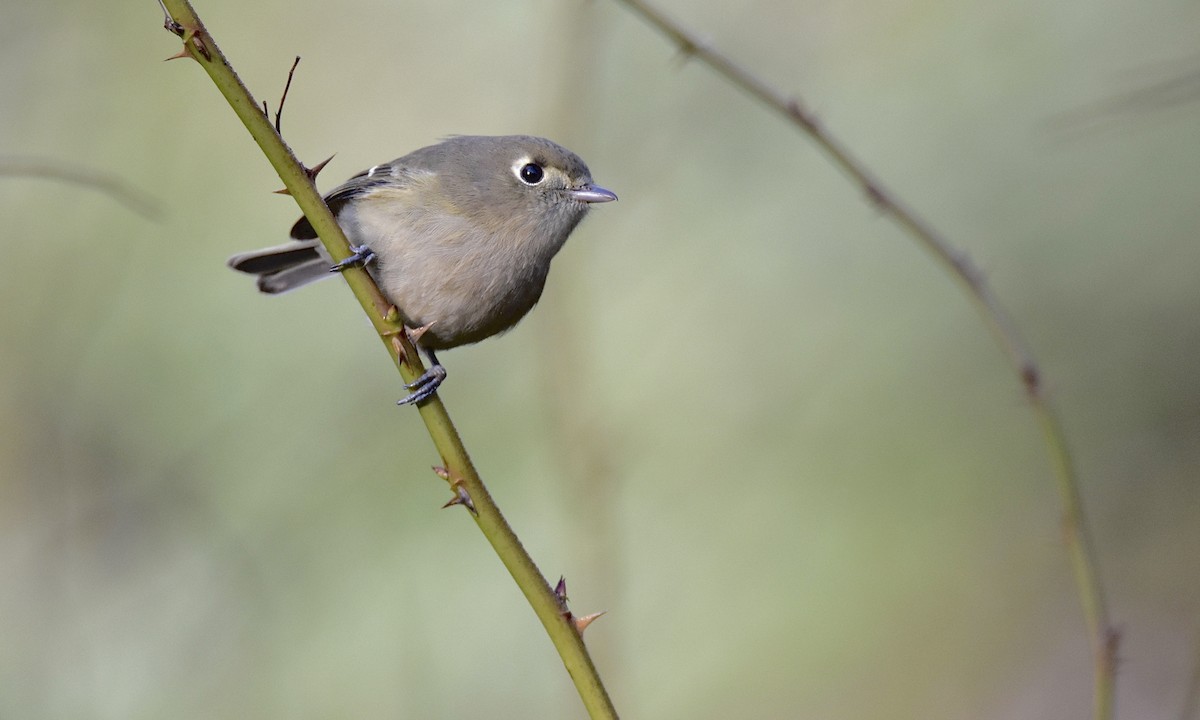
294, 277
284, 267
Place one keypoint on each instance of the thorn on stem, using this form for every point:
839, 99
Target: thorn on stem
687, 46
876, 196
316, 169
461, 497
398, 347
802, 116
581, 623
415, 334
1031, 378
560, 594
310, 172
196, 37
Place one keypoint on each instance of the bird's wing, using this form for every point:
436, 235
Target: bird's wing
393, 174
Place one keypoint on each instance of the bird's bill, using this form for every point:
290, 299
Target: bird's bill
592, 194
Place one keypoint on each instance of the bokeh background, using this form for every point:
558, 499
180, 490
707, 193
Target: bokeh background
750, 418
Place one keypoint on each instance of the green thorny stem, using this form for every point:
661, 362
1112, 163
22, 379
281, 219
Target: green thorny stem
1102, 636
461, 474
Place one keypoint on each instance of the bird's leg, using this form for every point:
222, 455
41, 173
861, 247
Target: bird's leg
360, 255
426, 385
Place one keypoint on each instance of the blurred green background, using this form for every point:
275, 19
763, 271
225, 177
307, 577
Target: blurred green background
749, 419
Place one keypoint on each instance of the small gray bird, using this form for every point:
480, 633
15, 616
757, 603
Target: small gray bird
459, 236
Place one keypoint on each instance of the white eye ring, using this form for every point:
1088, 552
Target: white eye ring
529, 172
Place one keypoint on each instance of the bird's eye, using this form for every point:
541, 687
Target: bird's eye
531, 173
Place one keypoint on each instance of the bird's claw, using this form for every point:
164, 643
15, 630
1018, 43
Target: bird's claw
424, 386
360, 255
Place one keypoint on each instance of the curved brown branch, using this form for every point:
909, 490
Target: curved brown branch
1103, 637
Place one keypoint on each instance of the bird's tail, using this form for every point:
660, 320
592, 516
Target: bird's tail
284, 267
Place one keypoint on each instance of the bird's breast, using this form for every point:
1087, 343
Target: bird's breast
463, 281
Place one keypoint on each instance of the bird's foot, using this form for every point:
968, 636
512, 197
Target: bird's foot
360, 255
424, 386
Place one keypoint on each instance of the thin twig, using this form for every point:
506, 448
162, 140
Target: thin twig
283, 98
111, 185
1157, 95
456, 467
1102, 635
